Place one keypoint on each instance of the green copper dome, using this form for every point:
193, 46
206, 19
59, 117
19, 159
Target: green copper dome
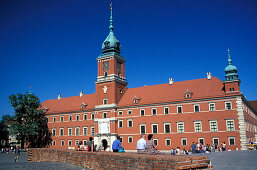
230, 70
111, 44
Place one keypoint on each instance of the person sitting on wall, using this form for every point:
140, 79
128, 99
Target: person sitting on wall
141, 144
90, 144
150, 146
116, 144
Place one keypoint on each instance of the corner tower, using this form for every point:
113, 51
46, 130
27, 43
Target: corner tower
111, 82
231, 78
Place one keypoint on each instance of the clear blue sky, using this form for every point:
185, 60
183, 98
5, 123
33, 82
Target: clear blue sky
53, 44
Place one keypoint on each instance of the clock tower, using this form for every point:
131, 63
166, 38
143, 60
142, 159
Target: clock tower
111, 82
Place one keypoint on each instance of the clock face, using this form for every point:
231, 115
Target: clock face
106, 65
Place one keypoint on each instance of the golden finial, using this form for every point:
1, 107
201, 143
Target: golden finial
111, 6
228, 50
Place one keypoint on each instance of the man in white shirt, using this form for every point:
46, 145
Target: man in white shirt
141, 145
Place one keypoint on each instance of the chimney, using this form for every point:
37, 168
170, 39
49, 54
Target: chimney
209, 75
81, 94
171, 81
59, 97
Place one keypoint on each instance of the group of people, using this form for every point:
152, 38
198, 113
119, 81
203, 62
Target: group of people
89, 147
147, 147
200, 148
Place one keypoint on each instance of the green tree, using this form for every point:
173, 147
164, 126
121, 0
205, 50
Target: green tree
4, 130
30, 122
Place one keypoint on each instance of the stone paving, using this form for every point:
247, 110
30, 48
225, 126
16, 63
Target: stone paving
233, 160
7, 162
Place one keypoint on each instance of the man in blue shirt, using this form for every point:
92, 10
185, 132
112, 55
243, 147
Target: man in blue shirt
193, 146
116, 144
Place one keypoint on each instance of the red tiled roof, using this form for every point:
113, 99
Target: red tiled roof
253, 104
69, 104
200, 88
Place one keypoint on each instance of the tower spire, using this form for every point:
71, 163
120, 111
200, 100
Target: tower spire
111, 21
229, 58
230, 70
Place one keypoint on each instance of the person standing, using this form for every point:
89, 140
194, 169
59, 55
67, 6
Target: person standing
116, 145
17, 154
223, 146
193, 146
141, 145
90, 144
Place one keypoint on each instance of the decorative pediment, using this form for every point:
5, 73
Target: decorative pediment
136, 100
188, 94
45, 109
83, 105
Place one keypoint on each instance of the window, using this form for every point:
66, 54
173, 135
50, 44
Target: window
166, 110
142, 129
154, 128
92, 131
167, 142
54, 119
105, 74
61, 119
201, 140
104, 101
85, 116
104, 115
228, 105
154, 111
231, 140
166, 127
130, 123
212, 106
184, 141
53, 132
47, 119
69, 143
120, 123
54, 143
85, 131
69, 131
180, 126
215, 140
230, 125
120, 113
70, 117
62, 142
77, 131
84, 142
77, 142
198, 126
130, 139
61, 131
179, 109
142, 112
129, 112
92, 116
121, 139
77, 117
213, 126
197, 108
155, 141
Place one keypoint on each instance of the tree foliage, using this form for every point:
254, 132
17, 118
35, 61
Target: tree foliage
30, 122
4, 128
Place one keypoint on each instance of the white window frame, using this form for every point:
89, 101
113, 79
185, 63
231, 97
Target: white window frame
62, 142
228, 120
211, 126
153, 111
120, 112
119, 123
130, 112
76, 131
226, 105
104, 113
130, 137
178, 128
182, 141
128, 123
70, 130
167, 139
69, 142
76, 142
216, 138
153, 126
70, 117
61, 118
231, 137
196, 122
202, 139
77, 117
181, 109
47, 119
157, 141
105, 99
165, 128
121, 139
210, 107
84, 131
54, 143
84, 142
165, 111
141, 129
85, 115
92, 116
195, 105
92, 130
54, 132
60, 131
141, 112
54, 118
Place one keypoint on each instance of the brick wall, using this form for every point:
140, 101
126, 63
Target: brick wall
110, 160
